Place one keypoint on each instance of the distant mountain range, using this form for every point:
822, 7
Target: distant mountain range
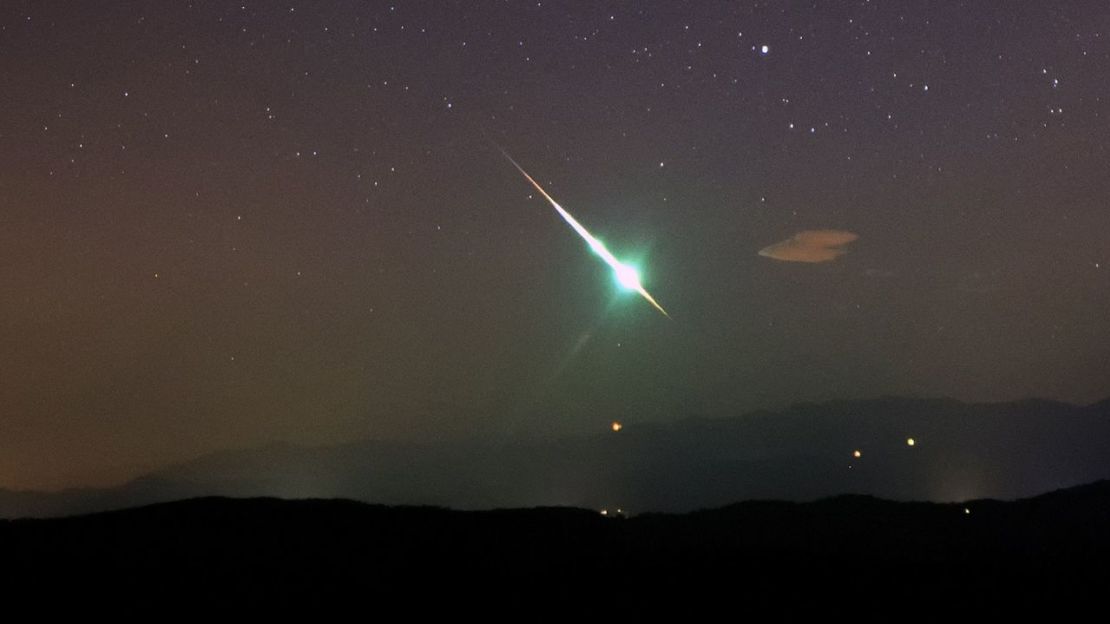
961, 451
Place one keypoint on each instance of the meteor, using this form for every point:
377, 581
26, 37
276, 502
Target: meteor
625, 274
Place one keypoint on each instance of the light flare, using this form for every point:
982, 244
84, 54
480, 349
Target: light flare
626, 275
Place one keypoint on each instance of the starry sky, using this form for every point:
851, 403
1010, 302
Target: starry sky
224, 224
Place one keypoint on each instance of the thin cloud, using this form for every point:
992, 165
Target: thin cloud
811, 246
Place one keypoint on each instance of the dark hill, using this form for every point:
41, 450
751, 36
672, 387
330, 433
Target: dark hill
851, 552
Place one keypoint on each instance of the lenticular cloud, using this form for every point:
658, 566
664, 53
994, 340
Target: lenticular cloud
811, 246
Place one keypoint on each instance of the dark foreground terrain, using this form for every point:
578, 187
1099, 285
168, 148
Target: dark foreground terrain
847, 556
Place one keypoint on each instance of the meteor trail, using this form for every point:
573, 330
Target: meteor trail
626, 275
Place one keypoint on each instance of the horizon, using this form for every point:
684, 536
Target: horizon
139, 472
893, 448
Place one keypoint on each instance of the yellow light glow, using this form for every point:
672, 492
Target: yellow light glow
856, 454
616, 426
910, 442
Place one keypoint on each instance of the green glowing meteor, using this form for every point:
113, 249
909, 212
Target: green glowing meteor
626, 275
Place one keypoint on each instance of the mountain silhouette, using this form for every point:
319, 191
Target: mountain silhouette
961, 451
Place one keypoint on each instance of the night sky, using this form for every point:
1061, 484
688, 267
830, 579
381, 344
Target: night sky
224, 224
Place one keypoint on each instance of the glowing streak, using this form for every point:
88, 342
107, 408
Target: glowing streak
626, 275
